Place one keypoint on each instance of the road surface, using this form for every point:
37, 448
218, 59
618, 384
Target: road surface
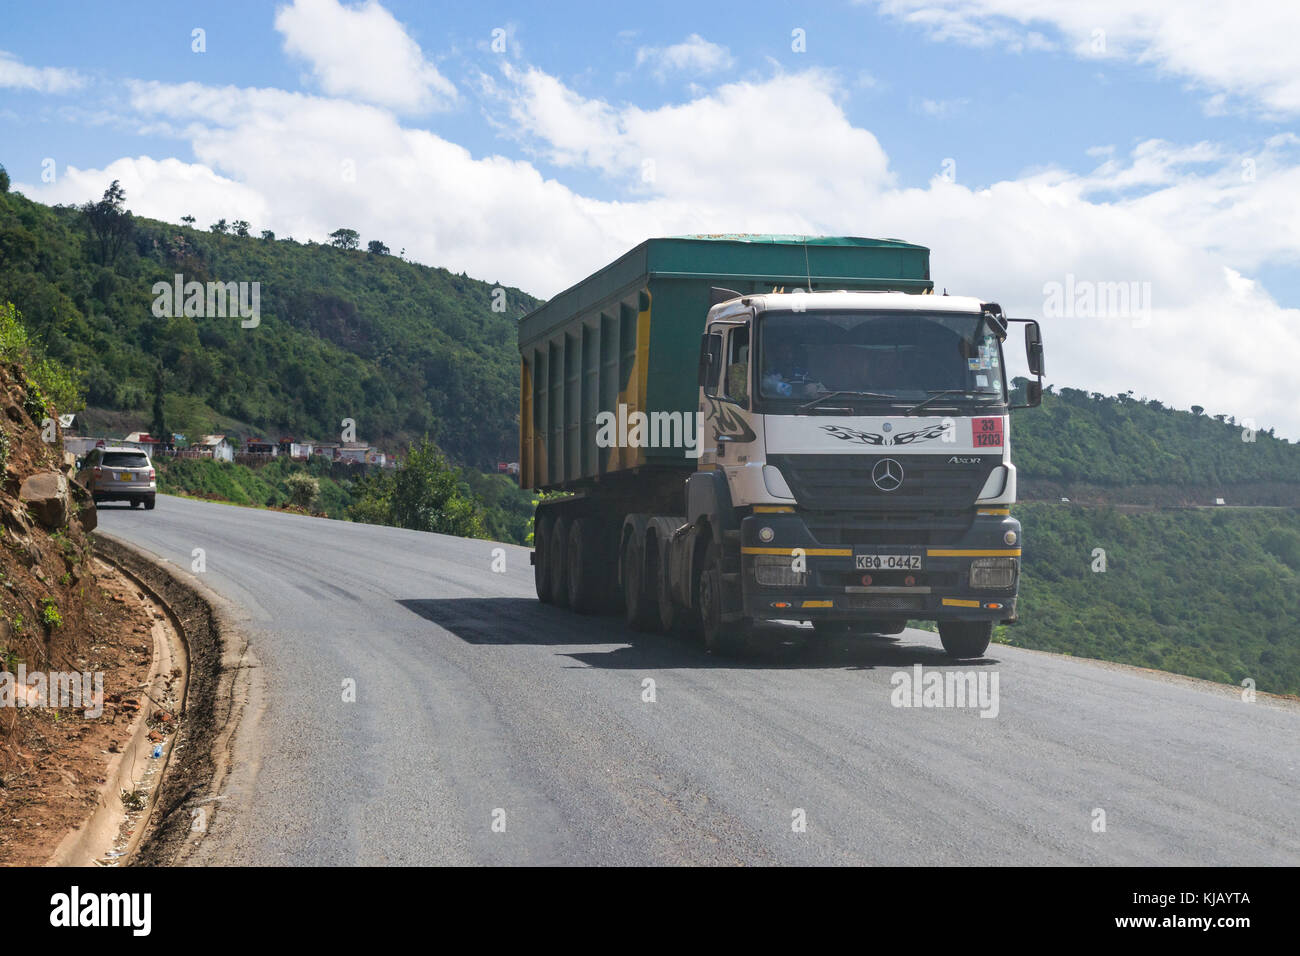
476, 705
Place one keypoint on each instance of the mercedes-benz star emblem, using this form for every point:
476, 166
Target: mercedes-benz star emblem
887, 475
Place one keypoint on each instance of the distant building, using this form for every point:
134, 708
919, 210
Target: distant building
215, 446
1219, 501
257, 446
326, 449
354, 451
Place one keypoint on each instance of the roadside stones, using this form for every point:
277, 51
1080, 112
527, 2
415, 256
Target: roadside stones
46, 496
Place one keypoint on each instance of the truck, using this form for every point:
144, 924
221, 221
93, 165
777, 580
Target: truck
728, 430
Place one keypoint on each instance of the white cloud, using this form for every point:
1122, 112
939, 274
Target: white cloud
694, 55
784, 144
159, 189
1244, 50
363, 52
43, 79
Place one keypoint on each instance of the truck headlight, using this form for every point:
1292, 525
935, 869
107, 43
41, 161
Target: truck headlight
777, 571
994, 572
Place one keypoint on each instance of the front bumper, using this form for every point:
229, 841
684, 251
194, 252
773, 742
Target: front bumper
832, 586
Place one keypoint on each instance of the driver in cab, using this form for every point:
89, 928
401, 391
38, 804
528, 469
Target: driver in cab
784, 375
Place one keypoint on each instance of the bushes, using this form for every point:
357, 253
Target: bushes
50, 384
304, 490
426, 494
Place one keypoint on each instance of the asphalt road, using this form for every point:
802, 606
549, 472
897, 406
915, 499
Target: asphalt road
473, 698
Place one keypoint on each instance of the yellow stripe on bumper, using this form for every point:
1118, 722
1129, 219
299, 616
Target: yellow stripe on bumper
812, 552
818, 604
959, 602
972, 553
993, 511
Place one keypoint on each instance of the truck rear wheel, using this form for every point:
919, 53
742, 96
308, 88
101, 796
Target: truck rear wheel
720, 637
638, 603
581, 567
558, 552
965, 639
542, 558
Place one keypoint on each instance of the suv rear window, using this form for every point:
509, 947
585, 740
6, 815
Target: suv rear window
125, 459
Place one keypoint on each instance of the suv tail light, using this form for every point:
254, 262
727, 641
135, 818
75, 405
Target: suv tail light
98, 471
151, 474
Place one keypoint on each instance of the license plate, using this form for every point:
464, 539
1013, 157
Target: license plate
888, 562
125, 476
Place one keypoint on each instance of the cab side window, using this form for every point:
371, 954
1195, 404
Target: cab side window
736, 383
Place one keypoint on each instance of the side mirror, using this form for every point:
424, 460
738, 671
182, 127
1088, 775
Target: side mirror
1034, 349
710, 362
1034, 394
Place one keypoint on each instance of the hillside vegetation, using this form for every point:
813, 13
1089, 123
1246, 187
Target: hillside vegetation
402, 349
1211, 593
1134, 450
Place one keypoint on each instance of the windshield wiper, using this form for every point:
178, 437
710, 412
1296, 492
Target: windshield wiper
837, 394
940, 393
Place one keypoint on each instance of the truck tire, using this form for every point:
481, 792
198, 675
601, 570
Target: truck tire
965, 639
638, 604
720, 637
581, 567
541, 557
557, 553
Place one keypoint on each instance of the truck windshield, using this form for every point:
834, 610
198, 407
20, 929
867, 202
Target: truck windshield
903, 357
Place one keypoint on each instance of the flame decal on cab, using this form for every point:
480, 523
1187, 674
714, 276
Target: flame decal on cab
929, 433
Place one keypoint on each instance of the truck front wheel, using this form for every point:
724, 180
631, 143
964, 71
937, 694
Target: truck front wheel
965, 639
720, 637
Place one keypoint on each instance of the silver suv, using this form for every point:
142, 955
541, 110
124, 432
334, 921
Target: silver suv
119, 474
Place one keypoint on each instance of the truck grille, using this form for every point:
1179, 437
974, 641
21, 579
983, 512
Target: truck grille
841, 504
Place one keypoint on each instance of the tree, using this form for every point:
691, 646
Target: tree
345, 239
1198, 410
377, 248
220, 227
268, 235
158, 426
425, 494
4, 180
241, 227
188, 220
108, 222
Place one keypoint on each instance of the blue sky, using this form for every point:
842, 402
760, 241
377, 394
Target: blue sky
1137, 142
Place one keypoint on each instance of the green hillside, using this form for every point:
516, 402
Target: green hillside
1212, 593
400, 348
1123, 449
